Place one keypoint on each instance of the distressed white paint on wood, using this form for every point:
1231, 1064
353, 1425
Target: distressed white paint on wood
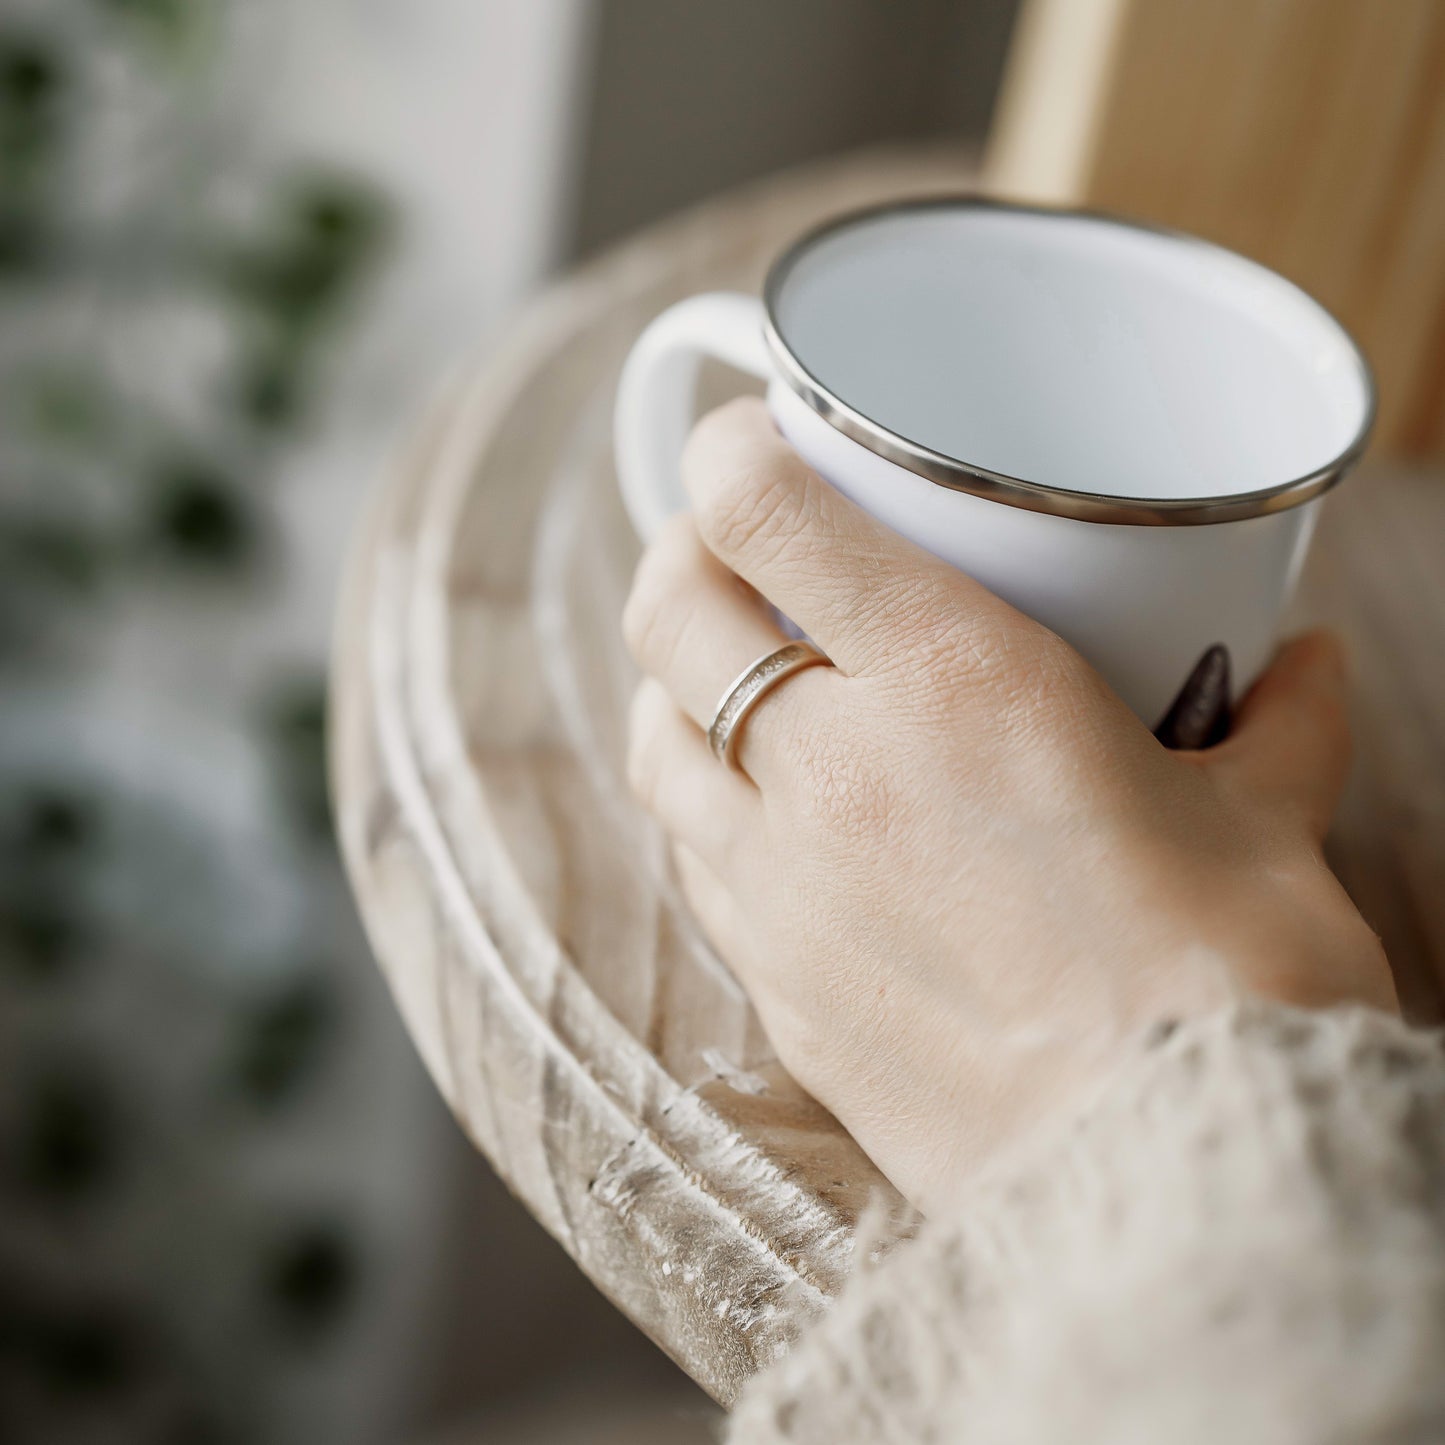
561, 997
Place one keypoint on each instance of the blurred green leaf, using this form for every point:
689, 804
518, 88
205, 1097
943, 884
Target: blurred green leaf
292, 281
69, 1139
47, 833
270, 387
32, 80
52, 553
311, 1276
323, 232
297, 714
65, 405
282, 1041
29, 75
171, 24
22, 239
85, 1354
295, 720
52, 823
39, 935
200, 518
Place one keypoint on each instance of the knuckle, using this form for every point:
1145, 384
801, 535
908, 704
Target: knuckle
928, 604
753, 511
1041, 680
944, 640
940, 628
1019, 670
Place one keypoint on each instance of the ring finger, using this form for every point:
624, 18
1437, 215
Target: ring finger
694, 626
711, 810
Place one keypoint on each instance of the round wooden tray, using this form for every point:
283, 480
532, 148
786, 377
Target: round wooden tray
564, 1002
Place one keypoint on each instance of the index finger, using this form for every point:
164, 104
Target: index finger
855, 586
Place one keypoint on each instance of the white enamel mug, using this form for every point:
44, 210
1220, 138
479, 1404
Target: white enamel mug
1123, 431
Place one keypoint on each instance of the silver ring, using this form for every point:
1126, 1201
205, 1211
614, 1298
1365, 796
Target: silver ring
749, 688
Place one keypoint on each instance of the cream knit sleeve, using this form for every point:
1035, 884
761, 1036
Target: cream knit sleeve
1243, 1240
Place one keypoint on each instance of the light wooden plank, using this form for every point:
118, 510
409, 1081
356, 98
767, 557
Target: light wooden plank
1309, 134
518, 901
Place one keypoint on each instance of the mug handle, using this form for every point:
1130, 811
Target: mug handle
656, 395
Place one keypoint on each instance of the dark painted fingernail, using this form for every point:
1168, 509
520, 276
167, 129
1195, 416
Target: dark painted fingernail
1200, 715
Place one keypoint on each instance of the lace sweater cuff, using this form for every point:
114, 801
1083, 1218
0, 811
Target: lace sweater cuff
1243, 1239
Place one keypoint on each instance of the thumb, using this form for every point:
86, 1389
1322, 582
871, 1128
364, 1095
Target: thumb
1290, 744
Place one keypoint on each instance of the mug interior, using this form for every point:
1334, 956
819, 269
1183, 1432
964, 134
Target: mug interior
1073, 350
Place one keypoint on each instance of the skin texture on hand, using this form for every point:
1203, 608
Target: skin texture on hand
957, 877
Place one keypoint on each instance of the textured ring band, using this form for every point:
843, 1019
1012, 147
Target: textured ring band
750, 687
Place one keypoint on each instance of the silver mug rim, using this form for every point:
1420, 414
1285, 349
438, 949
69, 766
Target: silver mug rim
978, 481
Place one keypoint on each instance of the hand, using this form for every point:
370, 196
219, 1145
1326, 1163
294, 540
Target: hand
956, 875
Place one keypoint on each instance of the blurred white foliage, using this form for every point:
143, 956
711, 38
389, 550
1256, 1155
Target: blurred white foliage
461, 114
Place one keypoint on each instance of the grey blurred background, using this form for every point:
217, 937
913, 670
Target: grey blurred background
240, 241
750, 87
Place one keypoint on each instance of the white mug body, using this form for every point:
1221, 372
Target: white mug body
1123, 432
1142, 604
